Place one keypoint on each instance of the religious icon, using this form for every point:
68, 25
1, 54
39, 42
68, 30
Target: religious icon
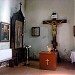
5, 35
18, 34
35, 31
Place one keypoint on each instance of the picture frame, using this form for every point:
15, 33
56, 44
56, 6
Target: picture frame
74, 30
35, 31
4, 32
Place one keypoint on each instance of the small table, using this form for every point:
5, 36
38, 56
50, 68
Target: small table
48, 60
72, 56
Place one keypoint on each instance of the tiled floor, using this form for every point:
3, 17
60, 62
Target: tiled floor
63, 68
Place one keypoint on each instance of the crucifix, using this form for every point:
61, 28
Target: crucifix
54, 22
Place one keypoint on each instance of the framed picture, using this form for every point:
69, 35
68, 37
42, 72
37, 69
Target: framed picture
35, 31
4, 32
74, 30
18, 34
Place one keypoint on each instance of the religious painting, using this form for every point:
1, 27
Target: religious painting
4, 32
35, 31
18, 34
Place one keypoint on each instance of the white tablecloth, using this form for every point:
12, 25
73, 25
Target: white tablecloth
72, 56
5, 54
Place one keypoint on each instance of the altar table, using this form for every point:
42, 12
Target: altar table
48, 60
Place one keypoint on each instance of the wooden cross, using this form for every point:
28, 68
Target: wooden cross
47, 61
20, 5
54, 22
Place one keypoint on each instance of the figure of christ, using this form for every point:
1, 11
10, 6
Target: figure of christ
54, 24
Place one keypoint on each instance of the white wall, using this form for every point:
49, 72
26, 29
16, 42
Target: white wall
39, 10
5, 11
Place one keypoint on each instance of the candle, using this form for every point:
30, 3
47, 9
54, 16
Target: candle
49, 49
